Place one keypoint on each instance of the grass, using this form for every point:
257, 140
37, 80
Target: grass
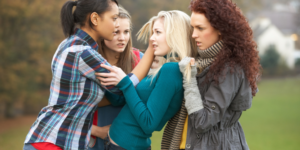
272, 123
13, 139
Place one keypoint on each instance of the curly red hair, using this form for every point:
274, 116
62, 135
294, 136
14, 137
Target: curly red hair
237, 36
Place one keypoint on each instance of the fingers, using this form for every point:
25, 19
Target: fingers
109, 68
105, 80
108, 83
106, 75
192, 61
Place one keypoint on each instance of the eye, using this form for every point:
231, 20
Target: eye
199, 28
126, 32
158, 32
115, 18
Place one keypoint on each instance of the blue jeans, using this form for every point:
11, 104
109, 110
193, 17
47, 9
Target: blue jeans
111, 146
28, 146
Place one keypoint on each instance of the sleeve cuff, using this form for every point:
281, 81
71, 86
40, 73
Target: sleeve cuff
134, 79
124, 83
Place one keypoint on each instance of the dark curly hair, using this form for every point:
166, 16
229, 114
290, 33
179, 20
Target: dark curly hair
237, 36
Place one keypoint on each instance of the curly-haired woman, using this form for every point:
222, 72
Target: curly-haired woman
223, 80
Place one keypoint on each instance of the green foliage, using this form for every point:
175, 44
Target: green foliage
270, 60
297, 63
30, 33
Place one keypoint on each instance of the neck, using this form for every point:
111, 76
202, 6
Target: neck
90, 33
111, 56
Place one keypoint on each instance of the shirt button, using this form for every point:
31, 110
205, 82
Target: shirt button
188, 146
198, 136
213, 107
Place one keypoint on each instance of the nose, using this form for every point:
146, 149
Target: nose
194, 35
121, 37
152, 38
117, 25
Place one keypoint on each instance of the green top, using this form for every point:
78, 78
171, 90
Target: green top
148, 107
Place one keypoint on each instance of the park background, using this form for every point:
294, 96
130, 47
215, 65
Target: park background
30, 32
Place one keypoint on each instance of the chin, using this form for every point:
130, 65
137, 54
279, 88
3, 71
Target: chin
119, 50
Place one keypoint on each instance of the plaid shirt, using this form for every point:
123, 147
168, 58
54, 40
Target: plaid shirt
74, 94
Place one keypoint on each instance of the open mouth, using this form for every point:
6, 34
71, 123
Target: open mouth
121, 44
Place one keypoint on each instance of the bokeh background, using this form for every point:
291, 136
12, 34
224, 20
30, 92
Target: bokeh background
30, 32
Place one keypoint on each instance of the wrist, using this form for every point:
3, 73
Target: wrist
125, 82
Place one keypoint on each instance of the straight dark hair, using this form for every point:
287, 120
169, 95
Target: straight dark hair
83, 9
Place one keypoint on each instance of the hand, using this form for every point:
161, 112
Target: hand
100, 132
188, 62
185, 62
113, 78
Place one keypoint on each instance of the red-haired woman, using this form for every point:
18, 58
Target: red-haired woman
223, 79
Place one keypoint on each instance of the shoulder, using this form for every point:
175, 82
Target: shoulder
75, 44
171, 69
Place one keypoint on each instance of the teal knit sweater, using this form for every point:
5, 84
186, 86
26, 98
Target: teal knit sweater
148, 107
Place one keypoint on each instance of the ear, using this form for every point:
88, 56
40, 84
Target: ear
94, 18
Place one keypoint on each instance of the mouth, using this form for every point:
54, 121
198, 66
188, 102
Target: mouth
198, 44
155, 46
121, 45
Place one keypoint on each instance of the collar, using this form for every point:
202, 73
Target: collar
170, 55
84, 36
212, 51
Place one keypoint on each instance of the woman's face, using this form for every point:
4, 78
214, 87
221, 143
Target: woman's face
158, 39
204, 34
121, 37
107, 23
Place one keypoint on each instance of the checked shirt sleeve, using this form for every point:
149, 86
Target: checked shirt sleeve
89, 64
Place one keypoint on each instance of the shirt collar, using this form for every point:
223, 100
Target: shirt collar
83, 35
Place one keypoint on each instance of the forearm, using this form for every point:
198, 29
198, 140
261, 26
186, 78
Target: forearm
192, 96
100, 132
141, 70
104, 102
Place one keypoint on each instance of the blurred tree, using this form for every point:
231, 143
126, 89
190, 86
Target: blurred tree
270, 60
297, 63
30, 32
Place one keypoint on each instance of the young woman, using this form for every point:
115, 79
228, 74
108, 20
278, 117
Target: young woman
156, 98
228, 69
118, 52
74, 93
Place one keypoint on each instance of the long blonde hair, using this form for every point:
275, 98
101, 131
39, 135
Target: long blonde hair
178, 36
127, 58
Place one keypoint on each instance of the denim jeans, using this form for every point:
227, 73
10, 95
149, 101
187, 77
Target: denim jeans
111, 146
28, 147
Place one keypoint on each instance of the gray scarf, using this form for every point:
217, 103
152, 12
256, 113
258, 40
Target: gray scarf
208, 56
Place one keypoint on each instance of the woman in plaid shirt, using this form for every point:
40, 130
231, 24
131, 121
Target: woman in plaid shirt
75, 92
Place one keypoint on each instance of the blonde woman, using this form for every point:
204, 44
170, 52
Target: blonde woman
158, 97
